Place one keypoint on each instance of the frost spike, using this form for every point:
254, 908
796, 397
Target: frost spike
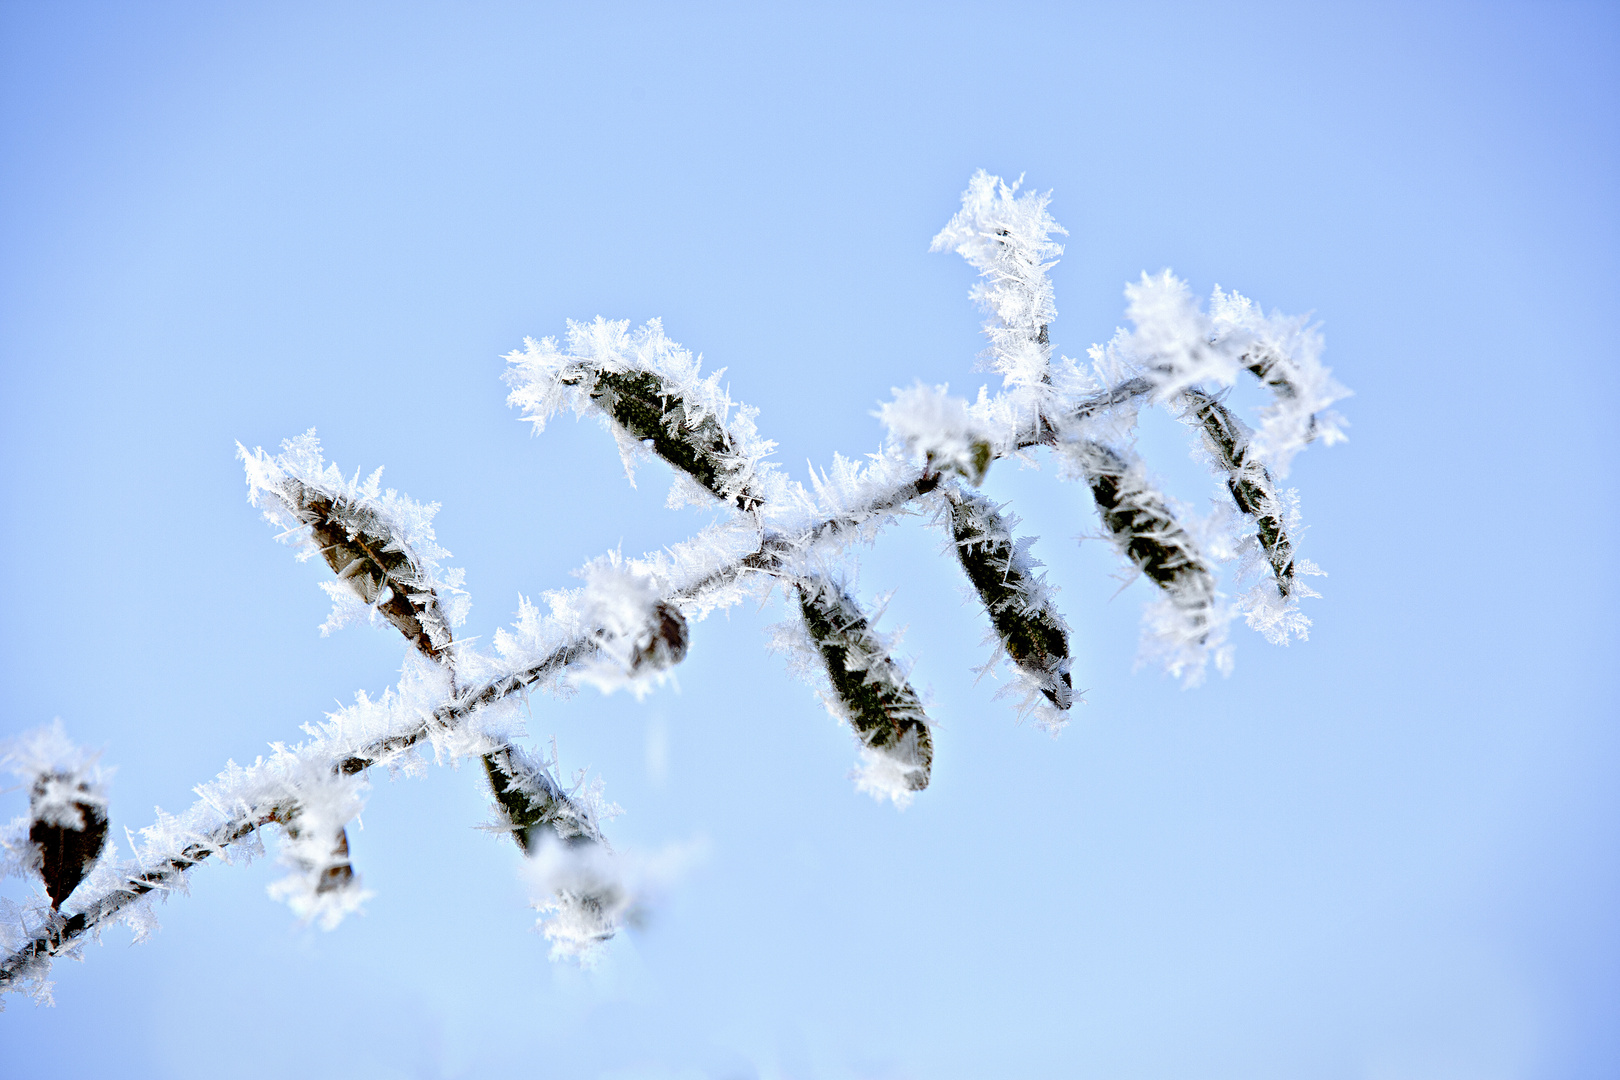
49, 941
1253, 491
641, 404
1030, 629
882, 708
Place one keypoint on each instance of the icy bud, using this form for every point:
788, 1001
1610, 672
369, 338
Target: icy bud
380, 543
870, 692
67, 807
322, 886
929, 422
586, 893
1018, 602
579, 897
639, 634
1283, 352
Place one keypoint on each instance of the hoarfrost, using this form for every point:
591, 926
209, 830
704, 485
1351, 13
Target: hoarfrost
648, 391
928, 421
1179, 346
294, 486
67, 779
586, 892
640, 636
628, 624
1007, 237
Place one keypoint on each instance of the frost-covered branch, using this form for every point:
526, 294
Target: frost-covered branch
628, 623
428, 711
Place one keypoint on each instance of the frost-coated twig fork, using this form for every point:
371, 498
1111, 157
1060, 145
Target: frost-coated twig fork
628, 623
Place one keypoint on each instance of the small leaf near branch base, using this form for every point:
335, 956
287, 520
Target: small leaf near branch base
68, 831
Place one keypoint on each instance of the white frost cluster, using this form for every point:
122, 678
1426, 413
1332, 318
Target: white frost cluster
321, 886
890, 772
639, 637
1275, 617
585, 892
942, 429
1178, 345
64, 776
1007, 237
16, 853
1184, 642
407, 524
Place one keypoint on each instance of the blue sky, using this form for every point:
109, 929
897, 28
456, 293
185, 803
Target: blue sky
1390, 852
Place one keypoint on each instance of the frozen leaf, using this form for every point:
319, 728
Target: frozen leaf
1018, 602
870, 692
67, 808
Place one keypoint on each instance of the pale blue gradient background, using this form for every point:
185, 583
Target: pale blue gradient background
1391, 852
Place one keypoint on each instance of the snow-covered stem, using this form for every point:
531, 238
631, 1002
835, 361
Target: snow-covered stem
372, 552
167, 874
522, 792
1149, 531
63, 932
